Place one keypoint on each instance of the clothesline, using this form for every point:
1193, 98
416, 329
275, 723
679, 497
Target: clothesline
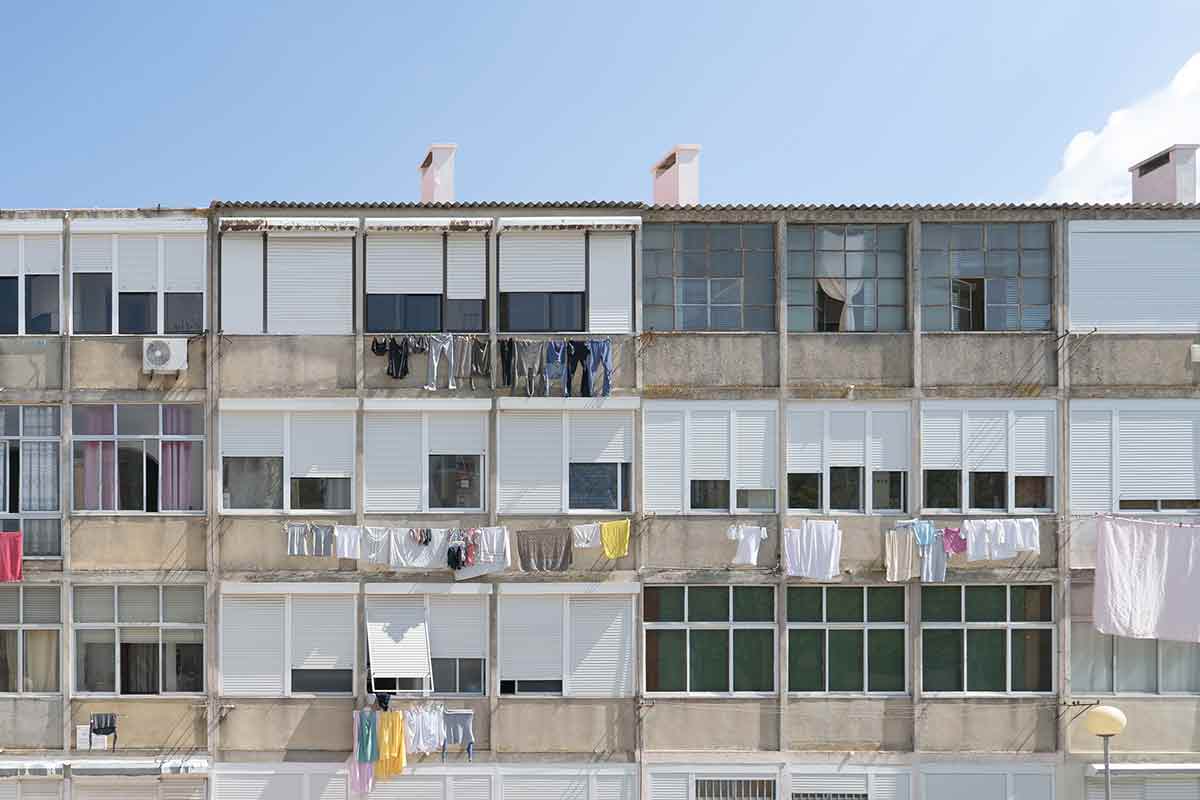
384, 739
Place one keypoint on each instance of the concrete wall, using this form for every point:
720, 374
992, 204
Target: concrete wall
671, 361
1156, 724
584, 560
163, 543
259, 545
988, 364
287, 366
31, 362
1108, 365
564, 725
115, 362
849, 724
31, 723
823, 362
698, 724
1046, 559
277, 726
1008, 725
701, 542
151, 723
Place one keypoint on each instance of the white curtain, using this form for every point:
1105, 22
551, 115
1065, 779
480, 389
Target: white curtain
41, 661
842, 289
1180, 666
39, 476
1091, 658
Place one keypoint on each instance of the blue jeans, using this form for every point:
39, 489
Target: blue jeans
600, 351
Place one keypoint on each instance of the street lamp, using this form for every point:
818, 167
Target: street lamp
1105, 722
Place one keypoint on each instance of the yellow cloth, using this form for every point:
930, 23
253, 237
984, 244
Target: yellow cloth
392, 755
615, 538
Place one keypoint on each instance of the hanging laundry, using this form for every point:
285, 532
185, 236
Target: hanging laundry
460, 730
544, 550
933, 559
989, 540
361, 764
901, 559
299, 539
439, 344
748, 538
461, 547
377, 545
1026, 535
600, 351
495, 554
507, 367
587, 535
579, 356
11, 564
922, 529
322, 540
393, 753
1147, 579
530, 364
406, 553
556, 366
953, 541
615, 538
462, 359
348, 541
425, 728
814, 550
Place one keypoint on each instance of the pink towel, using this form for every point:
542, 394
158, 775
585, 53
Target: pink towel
953, 540
10, 557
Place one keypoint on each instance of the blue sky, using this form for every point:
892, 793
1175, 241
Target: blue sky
131, 104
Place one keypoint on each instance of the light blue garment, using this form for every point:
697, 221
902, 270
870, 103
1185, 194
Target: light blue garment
923, 530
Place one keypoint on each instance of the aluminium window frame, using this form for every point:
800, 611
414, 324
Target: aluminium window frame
5, 444
22, 274
22, 626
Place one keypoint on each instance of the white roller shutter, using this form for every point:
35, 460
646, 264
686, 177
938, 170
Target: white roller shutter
941, 439
1122, 789
273, 786
670, 786
757, 446
138, 604
137, 263
404, 263
127, 789
309, 285
251, 433
708, 445
392, 461
546, 787
1041, 787
610, 282
662, 461
530, 463
471, 787
946, 786
1091, 461
41, 790
410, 788
847, 438
183, 789
323, 632
455, 433
183, 263
1157, 455
830, 783
466, 266
614, 786
10, 255
252, 647
91, 253
458, 626
1033, 442
94, 604
322, 444
43, 255
601, 655
530, 638
806, 437
987, 441
888, 445
397, 637
889, 787
541, 261
601, 437
241, 284
41, 605
327, 787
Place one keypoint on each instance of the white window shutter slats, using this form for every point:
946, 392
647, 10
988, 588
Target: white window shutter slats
183, 604
274, 786
601, 655
323, 632
251, 433
987, 441
40, 605
458, 626
757, 447
530, 463
806, 437
309, 285
454, 433
1157, 455
252, 656
1092, 467
327, 786
10, 255
471, 787
890, 786
404, 263
392, 462
241, 284
398, 637
1041, 787
530, 638
847, 438
126, 790
614, 786
941, 439
411, 788
183, 264
182, 789
888, 445
670, 785
708, 445
43, 255
322, 444
662, 461
466, 266
830, 783
1163, 787
137, 604
94, 604
91, 253
1034, 435
542, 261
601, 437
132, 635
546, 787
610, 282
41, 790
137, 263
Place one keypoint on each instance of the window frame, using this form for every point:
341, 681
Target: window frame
22, 626
429, 691
19, 438
426, 473
865, 626
160, 437
23, 273
443, 299
115, 626
1008, 626
729, 625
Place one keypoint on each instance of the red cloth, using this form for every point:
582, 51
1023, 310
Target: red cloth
10, 557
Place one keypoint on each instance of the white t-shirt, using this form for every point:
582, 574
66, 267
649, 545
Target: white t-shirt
748, 538
814, 550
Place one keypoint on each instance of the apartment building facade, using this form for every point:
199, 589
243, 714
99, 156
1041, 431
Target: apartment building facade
770, 364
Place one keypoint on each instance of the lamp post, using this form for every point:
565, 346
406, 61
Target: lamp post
1105, 722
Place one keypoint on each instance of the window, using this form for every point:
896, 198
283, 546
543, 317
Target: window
318, 460
30, 266
278, 645
980, 458
708, 277
987, 639
846, 278
846, 639
30, 631
727, 465
735, 789
453, 659
424, 461
139, 640
541, 312
425, 281
993, 277
709, 639
537, 474
29, 475
848, 457
138, 457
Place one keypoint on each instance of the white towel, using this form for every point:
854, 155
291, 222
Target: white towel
494, 554
748, 538
813, 550
587, 535
1028, 536
1147, 580
349, 541
377, 545
407, 554
900, 556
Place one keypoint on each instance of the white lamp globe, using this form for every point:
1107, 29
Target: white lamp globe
1104, 721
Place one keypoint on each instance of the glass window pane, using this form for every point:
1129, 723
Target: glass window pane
455, 482
1031, 603
92, 420
139, 418
659, 291
941, 604
1180, 666
524, 311
942, 488
445, 675
41, 661
95, 661
252, 482
726, 291
464, 315
753, 660
658, 237
804, 604
806, 660
888, 491
891, 292
799, 237
1035, 291
691, 291
1033, 491
9, 315
754, 603
138, 312
658, 318
657, 263
935, 318
966, 237
666, 661
845, 488
1001, 264
1035, 318
692, 265
804, 490
710, 495
890, 237
800, 265
967, 263
890, 265
91, 302
845, 661
183, 420
183, 660
885, 604
131, 477
708, 660
1032, 661
39, 479
885, 660
844, 604
942, 660
8, 660
323, 681
889, 319
708, 603
985, 603
936, 292
989, 490
759, 289
327, 494
137, 604
1091, 659
725, 318
384, 313
470, 675
566, 311
663, 604
94, 480
986, 660
860, 265
800, 320
935, 236
1035, 262
183, 312
800, 292
756, 499
758, 318
831, 237
935, 264
41, 304
1035, 234
756, 237
1137, 665
724, 264
1002, 236
831, 265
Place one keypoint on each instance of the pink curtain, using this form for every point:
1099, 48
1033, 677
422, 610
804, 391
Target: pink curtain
177, 476
99, 476
176, 420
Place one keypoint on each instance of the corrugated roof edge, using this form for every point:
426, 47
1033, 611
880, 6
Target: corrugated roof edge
396, 204
243, 204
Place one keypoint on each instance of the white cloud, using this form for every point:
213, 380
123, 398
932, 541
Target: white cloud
1095, 164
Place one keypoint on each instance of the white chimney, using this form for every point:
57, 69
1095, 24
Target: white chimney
437, 174
677, 177
1166, 177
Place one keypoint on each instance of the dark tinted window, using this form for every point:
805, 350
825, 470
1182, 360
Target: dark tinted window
92, 302
41, 304
541, 311
8, 305
464, 315
183, 313
138, 312
404, 313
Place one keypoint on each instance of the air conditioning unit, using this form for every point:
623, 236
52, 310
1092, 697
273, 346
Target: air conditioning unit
164, 355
